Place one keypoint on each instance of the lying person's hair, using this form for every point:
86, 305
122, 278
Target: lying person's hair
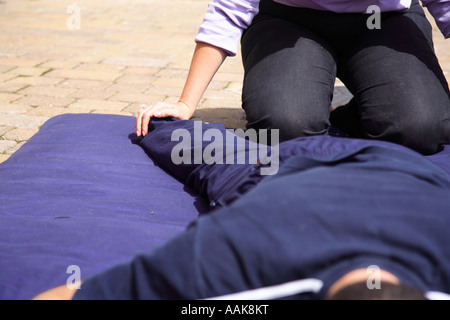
387, 291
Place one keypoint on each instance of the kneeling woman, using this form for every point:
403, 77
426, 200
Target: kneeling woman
293, 50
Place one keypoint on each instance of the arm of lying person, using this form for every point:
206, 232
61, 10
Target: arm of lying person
218, 163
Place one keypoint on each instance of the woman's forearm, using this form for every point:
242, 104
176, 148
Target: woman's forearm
205, 62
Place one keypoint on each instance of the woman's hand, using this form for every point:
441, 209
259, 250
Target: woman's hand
178, 110
205, 62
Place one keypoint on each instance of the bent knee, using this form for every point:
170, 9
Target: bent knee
290, 127
422, 134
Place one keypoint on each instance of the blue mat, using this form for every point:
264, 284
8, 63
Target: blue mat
83, 193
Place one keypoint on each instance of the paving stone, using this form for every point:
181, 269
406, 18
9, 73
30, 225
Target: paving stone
221, 102
133, 108
14, 108
6, 145
137, 62
4, 129
60, 64
141, 70
14, 148
4, 157
8, 87
19, 62
119, 113
34, 81
89, 105
50, 91
85, 84
128, 87
230, 117
165, 91
132, 97
95, 94
100, 67
147, 80
37, 101
22, 121
6, 76
172, 73
29, 71
9, 97
47, 111
83, 74
170, 82
6, 68
20, 134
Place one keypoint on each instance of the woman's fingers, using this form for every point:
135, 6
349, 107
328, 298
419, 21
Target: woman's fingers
159, 110
138, 125
145, 116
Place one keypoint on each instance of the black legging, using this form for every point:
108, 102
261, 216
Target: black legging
292, 56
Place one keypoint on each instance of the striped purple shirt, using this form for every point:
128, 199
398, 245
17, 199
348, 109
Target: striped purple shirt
225, 20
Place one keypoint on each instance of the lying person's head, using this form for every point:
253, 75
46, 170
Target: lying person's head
387, 291
357, 285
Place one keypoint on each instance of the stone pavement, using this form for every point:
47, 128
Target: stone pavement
107, 56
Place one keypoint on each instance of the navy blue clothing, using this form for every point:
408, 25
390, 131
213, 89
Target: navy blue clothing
335, 205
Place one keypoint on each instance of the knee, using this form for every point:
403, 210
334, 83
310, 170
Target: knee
423, 133
290, 126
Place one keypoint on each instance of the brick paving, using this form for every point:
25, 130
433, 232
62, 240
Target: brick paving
119, 55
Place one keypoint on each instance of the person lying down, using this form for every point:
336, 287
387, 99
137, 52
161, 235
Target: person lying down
341, 218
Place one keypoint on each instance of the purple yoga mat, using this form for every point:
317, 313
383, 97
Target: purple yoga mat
81, 193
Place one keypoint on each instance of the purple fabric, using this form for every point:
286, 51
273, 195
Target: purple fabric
442, 159
81, 193
225, 20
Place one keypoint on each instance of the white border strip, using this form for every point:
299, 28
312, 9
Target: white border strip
436, 295
274, 292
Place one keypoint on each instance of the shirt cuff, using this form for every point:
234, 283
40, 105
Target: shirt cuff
227, 44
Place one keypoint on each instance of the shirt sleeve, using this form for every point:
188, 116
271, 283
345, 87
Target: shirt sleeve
220, 178
225, 21
440, 10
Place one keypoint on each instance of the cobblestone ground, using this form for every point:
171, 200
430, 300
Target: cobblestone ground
107, 56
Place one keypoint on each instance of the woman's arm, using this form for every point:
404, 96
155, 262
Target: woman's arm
205, 62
